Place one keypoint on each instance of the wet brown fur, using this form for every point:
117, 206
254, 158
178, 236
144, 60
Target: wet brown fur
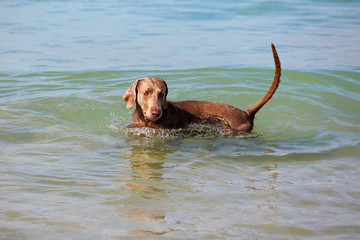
153, 110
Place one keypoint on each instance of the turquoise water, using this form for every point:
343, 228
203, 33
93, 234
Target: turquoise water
71, 170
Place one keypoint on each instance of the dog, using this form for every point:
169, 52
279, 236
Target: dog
153, 110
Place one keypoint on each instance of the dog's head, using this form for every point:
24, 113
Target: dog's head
150, 94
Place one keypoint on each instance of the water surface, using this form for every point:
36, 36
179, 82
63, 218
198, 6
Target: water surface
71, 170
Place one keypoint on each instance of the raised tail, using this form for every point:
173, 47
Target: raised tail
274, 85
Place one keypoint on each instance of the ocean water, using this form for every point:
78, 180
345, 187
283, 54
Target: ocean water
70, 169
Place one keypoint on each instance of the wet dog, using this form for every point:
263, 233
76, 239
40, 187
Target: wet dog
153, 110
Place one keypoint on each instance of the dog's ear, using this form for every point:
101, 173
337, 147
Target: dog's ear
130, 94
164, 104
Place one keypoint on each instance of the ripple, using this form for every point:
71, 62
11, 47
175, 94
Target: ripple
197, 131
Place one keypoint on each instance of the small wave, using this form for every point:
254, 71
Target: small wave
203, 131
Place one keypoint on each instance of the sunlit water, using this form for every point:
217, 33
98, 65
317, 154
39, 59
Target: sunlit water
70, 169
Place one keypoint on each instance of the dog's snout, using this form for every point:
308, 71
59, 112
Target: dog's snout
155, 112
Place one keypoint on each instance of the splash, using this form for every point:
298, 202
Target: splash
200, 131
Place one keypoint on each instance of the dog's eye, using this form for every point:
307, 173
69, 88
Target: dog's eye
161, 94
146, 93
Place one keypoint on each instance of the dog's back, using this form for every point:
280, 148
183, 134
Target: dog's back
153, 109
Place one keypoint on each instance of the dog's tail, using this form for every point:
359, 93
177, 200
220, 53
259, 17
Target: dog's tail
274, 85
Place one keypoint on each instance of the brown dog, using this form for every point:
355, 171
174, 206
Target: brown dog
153, 110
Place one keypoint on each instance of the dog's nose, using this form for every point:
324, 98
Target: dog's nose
155, 112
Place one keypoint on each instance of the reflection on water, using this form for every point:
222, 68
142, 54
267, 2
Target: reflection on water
139, 231
146, 161
147, 184
268, 184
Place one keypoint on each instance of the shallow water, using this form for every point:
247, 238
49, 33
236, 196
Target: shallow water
70, 169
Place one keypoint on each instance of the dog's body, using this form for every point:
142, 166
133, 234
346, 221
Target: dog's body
153, 110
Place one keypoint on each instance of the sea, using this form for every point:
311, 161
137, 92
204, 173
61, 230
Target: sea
70, 168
